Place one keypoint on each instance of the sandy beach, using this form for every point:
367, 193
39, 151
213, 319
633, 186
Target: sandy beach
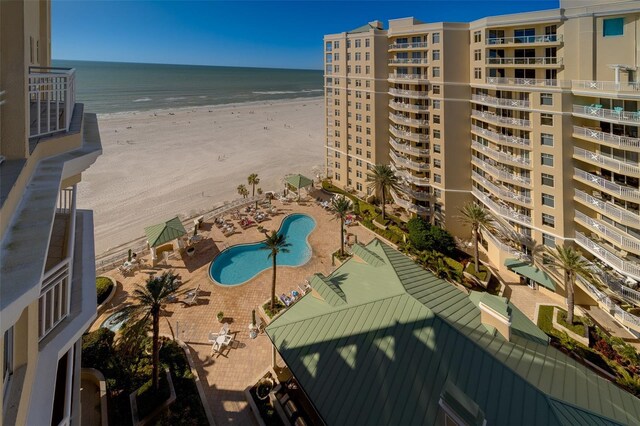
158, 164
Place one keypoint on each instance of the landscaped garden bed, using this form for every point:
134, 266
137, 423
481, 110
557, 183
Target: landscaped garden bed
104, 286
278, 307
259, 400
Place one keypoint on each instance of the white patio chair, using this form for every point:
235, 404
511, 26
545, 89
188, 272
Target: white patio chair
225, 329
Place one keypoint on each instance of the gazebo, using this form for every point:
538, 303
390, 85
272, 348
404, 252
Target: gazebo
163, 233
298, 182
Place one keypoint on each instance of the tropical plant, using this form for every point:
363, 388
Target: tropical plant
383, 180
275, 243
571, 262
476, 216
424, 236
243, 191
145, 312
253, 180
429, 259
442, 269
341, 206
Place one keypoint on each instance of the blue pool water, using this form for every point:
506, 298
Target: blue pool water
240, 263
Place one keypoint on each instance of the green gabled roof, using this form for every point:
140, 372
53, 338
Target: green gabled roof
164, 232
363, 29
367, 255
330, 292
530, 271
385, 355
298, 181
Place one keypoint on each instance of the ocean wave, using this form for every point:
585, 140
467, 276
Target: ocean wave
142, 100
179, 98
286, 92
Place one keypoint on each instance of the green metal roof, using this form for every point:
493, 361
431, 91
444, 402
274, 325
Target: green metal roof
367, 255
385, 355
164, 232
363, 29
298, 181
530, 271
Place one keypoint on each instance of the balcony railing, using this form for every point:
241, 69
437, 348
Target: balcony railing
613, 235
408, 107
421, 45
607, 114
410, 61
415, 165
549, 38
503, 246
500, 174
501, 138
501, 156
416, 94
501, 102
410, 121
418, 195
409, 77
624, 142
620, 314
499, 119
621, 265
512, 60
501, 210
52, 97
506, 81
413, 150
616, 213
606, 162
417, 137
407, 205
404, 174
501, 191
608, 186
605, 86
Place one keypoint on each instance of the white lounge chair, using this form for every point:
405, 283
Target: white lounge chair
192, 297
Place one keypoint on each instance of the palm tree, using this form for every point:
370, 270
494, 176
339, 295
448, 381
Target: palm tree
148, 301
253, 180
341, 206
477, 216
442, 269
382, 179
242, 190
275, 243
573, 264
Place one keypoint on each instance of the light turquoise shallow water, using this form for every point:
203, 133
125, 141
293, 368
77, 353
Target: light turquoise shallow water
240, 263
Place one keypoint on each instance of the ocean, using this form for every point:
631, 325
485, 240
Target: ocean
108, 87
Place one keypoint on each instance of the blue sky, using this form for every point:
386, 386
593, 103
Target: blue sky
283, 34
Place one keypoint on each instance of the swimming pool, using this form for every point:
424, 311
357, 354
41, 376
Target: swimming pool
238, 264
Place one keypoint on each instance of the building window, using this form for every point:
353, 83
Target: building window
327, 46
348, 44
477, 36
358, 56
358, 162
368, 142
435, 55
613, 27
436, 134
436, 119
435, 71
359, 174
477, 73
546, 119
546, 99
547, 180
358, 43
435, 38
548, 240
437, 193
548, 220
7, 359
548, 200
337, 154
367, 56
336, 44
436, 89
367, 42
367, 83
437, 178
338, 166
546, 159
436, 103
436, 163
436, 148
359, 185
358, 151
359, 139
546, 139
369, 154
367, 70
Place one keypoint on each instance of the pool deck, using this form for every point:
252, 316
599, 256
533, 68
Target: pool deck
225, 377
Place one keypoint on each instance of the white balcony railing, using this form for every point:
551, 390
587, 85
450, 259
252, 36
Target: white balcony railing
621, 240
503, 246
548, 38
413, 150
52, 97
607, 162
499, 119
621, 265
500, 174
501, 191
608, 186
543, 60
501, 210
608, 138
507, 81
607, 114
418, 195
417, 137
420, 45
415, 94
409, 77
408, 107
501, 102
407, 205
616, 213
407, 120
415, 165
605, 86
408, 177
410, 61
501, 156
501, 138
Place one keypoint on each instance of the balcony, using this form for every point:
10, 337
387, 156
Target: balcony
500, 102
408, 149
52, 98
408, 61
408, 107
407, 205
403, 46
410, 78
499, 119
500, 209
401, 119
507, 81
619, 214
500, 174
616, 141
501, 138
606, 162
624, 192
517, 61
501, 191
624, 266
603, 114
502, 246
537, 39
408, 177
503, 157
629, 88
611, 234
416, 137
414, 165
419, 195
414, 94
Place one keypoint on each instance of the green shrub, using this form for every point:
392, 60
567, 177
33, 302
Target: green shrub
578, 325
97, 349
278, 307
103, 288
481, 275
424, 236
149, 398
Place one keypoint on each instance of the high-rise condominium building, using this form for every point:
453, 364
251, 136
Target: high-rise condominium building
47, 262
534, 115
